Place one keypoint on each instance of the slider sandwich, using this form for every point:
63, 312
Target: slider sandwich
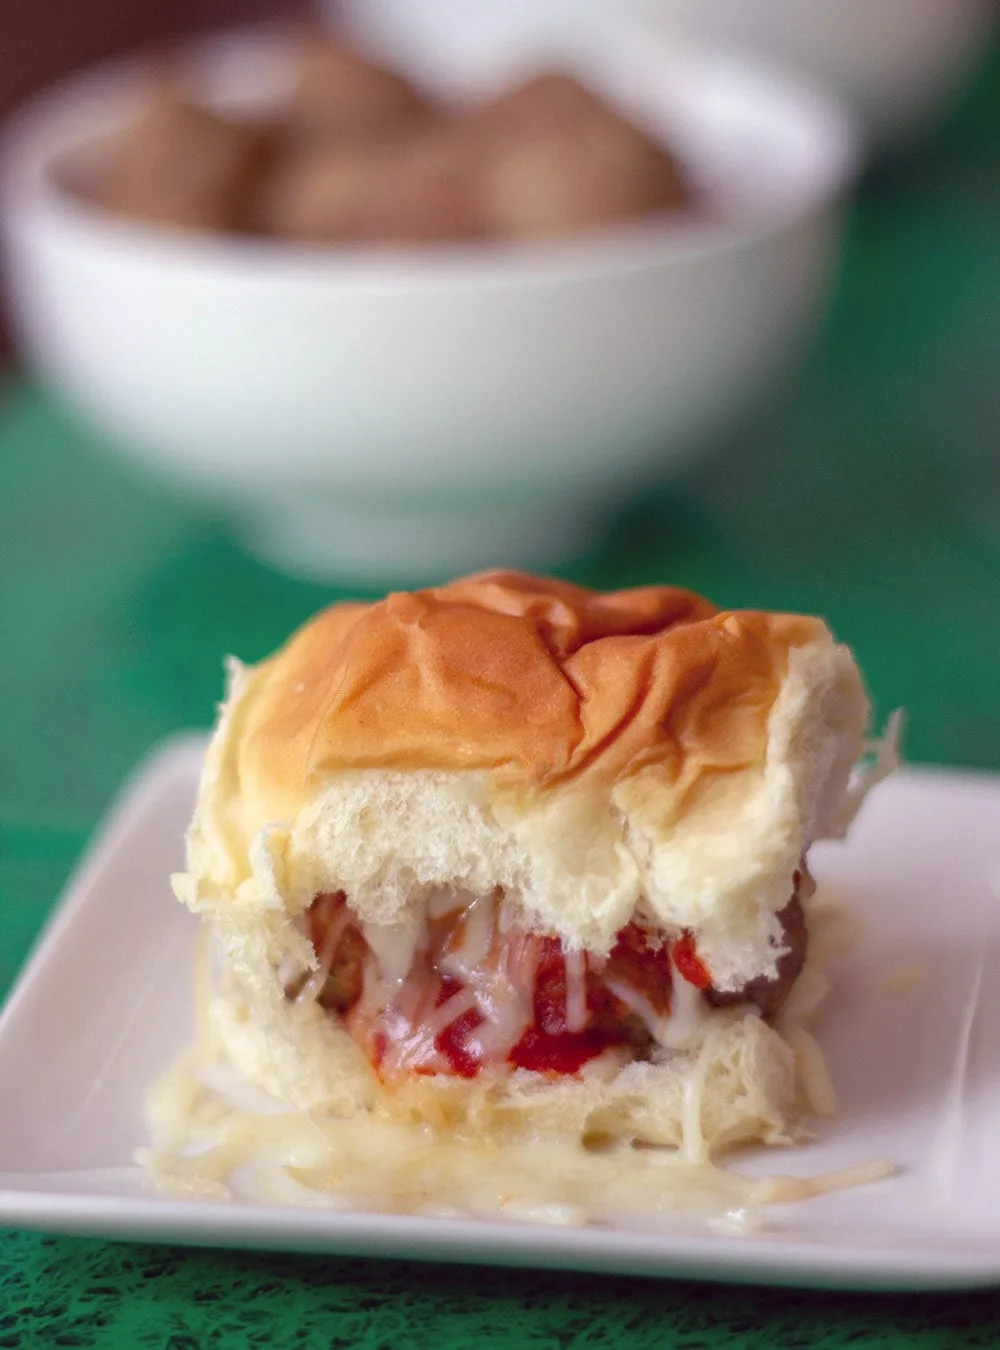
513, 857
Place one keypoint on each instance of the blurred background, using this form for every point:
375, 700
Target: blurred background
789, 397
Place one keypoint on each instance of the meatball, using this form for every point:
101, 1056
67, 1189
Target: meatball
342, 94
769, 993
183, 165
556, 158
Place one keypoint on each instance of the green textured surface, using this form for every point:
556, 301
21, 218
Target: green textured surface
868, 489
139, 1297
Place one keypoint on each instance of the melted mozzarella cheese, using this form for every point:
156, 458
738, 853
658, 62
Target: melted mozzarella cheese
497, 983
413, 1045
689, 1013
313, 986
506, 1000
464, 960
394, 946
214, 1138
655, 1023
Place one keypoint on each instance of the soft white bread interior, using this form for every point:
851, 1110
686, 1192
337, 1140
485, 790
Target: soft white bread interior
598, 757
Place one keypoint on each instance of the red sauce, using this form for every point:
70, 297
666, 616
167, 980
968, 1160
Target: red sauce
549, 1046
637, 960
688, 963
453, 1044
453, 1041
559, 1052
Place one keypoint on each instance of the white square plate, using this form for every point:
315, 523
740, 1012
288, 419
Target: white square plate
107, 1001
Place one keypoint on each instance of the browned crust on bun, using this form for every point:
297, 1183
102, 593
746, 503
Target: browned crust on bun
534, 680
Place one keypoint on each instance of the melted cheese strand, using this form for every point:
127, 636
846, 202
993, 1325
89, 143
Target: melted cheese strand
466, 960
658, 1026
689, 1013
694, 1148
394, 946
885, 750
313, 986
576, 990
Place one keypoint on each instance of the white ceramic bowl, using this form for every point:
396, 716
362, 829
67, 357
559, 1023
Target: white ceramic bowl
894, 61
417, 412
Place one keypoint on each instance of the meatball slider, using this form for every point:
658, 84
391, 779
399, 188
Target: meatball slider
513, 856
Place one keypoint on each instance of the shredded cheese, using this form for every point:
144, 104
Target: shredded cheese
210, 1141
694, 1149
884, 760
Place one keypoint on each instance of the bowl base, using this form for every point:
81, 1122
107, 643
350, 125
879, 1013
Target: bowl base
323, 539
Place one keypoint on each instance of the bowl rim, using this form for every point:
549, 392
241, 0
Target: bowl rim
32, 197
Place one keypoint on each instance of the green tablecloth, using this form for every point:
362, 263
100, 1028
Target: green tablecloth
867, 489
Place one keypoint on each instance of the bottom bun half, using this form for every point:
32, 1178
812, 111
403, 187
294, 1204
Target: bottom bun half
738, 1086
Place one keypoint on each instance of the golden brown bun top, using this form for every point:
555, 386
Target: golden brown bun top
537, 680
